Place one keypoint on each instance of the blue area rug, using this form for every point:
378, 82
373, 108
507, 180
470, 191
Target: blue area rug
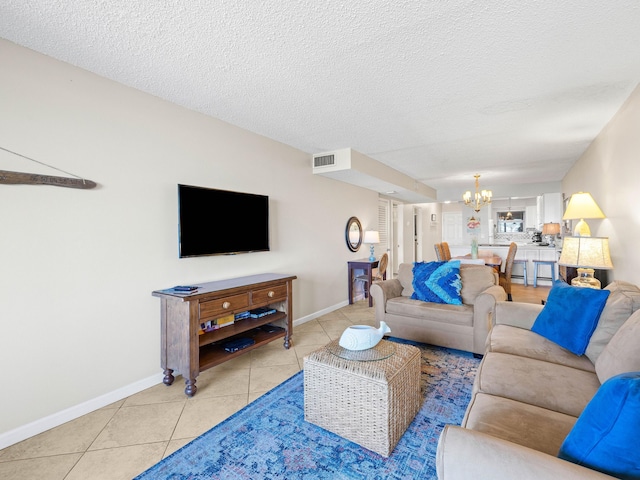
269, 438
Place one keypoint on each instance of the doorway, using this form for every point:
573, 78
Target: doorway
452, 228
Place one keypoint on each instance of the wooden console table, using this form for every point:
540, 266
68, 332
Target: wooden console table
184, 350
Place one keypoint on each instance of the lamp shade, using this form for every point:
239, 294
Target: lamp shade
586, 252
550, 229
371, 236
582, 205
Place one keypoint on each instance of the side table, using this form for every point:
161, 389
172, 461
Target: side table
370, 402
367, 266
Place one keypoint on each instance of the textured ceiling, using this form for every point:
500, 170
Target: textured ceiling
439, 90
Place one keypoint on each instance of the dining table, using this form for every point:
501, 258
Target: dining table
490, 260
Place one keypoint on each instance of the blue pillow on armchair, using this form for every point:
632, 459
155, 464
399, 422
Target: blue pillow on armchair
437, 282
570, 315
605, 436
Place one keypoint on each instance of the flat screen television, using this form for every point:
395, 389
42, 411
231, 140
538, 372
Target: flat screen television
220, 222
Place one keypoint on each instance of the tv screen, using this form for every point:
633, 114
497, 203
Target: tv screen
220, 222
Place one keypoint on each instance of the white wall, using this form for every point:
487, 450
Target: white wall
431, 231
77, 319
610, 171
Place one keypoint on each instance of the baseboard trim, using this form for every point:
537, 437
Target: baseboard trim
42, 425
319, 313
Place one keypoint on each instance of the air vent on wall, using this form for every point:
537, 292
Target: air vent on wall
358, 169
324, 161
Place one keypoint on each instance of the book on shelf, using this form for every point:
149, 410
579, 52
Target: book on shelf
262, 312
211, 325
241, 315
225, 321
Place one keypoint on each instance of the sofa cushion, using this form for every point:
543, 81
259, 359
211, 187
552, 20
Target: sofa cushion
548, 385
517, 422
437, 282
621, 354
570, 315
622, 302
475, 280
405, 277
439, 312
525, 343
605, 436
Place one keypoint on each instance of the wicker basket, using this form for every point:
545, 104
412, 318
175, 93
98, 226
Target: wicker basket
370, 403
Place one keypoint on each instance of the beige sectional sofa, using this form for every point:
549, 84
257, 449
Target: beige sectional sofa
529, 393
464, 327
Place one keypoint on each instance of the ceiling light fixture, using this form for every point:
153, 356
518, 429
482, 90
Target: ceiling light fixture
509, 214
480, 199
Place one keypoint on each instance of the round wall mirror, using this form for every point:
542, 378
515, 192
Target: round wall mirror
353, 234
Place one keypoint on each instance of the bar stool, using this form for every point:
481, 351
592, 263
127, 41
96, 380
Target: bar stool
523, 263
550, 263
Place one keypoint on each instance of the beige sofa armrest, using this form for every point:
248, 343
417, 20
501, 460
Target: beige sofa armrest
483, 311
516, 314
383, 291
464, 454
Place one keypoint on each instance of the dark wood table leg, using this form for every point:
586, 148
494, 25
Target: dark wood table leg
191, 389
370, 276
350, 283
168, 377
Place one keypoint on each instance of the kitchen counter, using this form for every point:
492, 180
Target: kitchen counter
520, 245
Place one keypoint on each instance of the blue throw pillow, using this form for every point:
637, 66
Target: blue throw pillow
570, 315
437, 282
605, 436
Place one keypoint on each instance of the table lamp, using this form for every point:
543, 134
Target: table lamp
586, 254
551, 229
581, 206
371, 237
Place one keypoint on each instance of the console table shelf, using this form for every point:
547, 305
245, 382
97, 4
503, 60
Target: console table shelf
240, 326
214, 353
186, 351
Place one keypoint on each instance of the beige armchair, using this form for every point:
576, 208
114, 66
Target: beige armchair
464, 327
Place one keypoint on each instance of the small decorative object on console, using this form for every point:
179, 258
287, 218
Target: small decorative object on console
185, 288
362, 337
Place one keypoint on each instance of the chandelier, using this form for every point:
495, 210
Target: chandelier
480, 199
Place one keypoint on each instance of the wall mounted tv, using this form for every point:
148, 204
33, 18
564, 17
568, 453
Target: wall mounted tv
220, 222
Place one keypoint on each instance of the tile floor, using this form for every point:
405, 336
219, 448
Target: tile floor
122, 440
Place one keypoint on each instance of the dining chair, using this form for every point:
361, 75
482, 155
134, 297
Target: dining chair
446, 253
505, 276
439, 252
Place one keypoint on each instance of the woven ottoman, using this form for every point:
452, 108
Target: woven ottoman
370, 402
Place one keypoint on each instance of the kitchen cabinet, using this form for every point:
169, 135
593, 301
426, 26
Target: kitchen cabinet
552, 208
531, 217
